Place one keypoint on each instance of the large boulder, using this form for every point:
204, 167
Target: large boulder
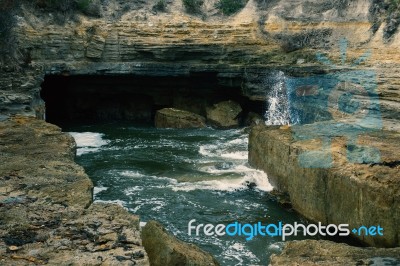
174, 118
164, 249
224, 115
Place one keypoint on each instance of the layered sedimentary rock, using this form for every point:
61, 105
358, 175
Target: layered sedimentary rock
358, 193
243, 51
46, 204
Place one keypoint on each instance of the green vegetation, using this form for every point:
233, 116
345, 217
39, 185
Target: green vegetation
160, 6
393, 5
63, 10
193, 6
83, 4
59, 5
229, 7
87, 7
387, 11
90, 7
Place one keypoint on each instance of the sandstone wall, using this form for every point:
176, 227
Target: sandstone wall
350, 193
243, 49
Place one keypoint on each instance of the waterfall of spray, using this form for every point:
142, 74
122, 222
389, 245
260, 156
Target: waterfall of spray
278, 112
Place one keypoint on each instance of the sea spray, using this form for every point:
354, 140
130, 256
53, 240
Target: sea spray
278, 102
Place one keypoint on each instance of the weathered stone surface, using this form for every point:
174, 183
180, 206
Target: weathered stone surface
312, 253
224, 114
43, 157
46, 204
164, 249
20, 93
174, 118
245, 51
352, 193
95, 47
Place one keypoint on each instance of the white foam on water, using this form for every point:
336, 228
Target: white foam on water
133, 190
240, 141
97, 190
218, 185
207, 150
276, 247
231, 150
253, 177
238, 251
140, 146
134, 174
259, 178
154, 204
237, 155
235, 149
88, 141
142, 224
137, 174
118, 202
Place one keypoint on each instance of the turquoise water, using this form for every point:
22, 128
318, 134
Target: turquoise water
174, 176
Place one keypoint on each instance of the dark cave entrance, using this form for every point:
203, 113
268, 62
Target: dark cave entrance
136, 98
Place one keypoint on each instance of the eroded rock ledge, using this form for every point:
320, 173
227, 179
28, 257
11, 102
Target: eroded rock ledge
353, 193
45, 204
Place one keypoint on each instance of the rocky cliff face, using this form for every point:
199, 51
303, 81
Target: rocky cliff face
354, 193
243, 50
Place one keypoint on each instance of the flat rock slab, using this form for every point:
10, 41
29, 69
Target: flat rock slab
312, 252
47, 215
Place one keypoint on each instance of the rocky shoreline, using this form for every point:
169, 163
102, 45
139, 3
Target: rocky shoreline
48, 216
46, 203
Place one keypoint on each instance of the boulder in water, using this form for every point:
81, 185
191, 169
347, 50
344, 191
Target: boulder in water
224, 115
175, 118
253, 119
164, 249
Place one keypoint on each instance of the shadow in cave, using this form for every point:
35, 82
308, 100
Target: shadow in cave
136, 98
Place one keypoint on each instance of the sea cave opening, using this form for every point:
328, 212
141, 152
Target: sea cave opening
95, 98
